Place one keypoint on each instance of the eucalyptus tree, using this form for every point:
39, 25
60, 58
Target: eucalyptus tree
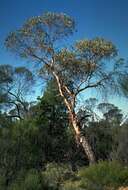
15, 84
111, 113
75, 69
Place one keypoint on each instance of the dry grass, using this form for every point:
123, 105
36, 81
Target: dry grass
123, 188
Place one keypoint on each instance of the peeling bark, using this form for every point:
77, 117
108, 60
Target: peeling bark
81, 139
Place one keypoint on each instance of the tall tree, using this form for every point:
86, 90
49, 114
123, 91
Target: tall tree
52, 118
75, 69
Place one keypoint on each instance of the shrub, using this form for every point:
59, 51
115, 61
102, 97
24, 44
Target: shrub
56, 174
50, 179
30, 181
102, 176
2, 182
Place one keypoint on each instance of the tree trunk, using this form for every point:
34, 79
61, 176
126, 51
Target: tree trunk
83, 141
87, 149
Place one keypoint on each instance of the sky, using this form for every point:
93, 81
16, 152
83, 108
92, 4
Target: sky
94, 18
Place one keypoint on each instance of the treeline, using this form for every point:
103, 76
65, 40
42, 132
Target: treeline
40, 152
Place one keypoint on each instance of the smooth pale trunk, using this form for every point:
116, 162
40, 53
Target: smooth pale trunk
84, 142
73, 119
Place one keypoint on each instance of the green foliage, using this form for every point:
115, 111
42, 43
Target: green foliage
86, 63
52, 178
97, 47
101, 176
101, 138
5, 121
72, 185
34, 142
2, 182
52, 119
39, 33
120, 151
111, 113
20, 148
30, 180
55, 175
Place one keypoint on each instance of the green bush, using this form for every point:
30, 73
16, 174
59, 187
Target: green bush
56, 174
50, 179
102, 176
72, 185
2, 182
30, 181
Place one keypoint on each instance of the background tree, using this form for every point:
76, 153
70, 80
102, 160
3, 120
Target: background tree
120, 151
83, 67
111, 113
15, 85
20, 150
124, 84
51, 117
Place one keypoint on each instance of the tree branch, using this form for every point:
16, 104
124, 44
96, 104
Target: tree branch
18, 110
18, 100
98, 83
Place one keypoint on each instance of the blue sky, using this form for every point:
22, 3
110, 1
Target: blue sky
102, 18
